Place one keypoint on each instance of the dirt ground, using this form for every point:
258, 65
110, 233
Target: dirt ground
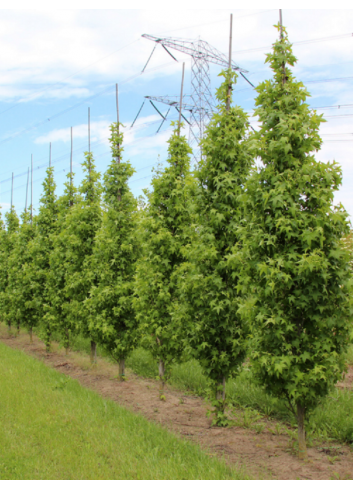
269, 454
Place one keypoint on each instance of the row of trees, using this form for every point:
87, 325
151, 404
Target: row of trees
211, 262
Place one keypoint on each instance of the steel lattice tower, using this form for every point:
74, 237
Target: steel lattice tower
202, 55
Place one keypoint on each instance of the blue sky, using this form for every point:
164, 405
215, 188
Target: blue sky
54, 64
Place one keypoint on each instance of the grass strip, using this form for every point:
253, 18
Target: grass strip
53, 428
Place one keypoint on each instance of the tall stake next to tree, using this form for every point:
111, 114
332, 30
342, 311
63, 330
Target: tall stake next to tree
93, 355
41, 248
22, 300
111, 267
7, 244
300, 273
59, 268
77, 240
208, 282
163, 235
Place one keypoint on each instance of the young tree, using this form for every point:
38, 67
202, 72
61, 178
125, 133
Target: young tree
41, 248
208, 282
110, 268
77, 240
20, 283
301, 277
2, 259
163, 235
7, 244
59, 267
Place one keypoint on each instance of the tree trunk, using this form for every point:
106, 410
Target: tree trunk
9, 327
221, 389
93, 355
48, 341
67, 342
18, 328
301, 431
30, 335
122, 369
161, 369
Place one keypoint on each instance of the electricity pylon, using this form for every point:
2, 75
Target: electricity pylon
202, 55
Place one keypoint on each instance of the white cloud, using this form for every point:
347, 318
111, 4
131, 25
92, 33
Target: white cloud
139, 139
42, 48
99, 130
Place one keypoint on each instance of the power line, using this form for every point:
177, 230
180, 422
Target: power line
96, 143
220, 21
308, 41
49, 87
58, 114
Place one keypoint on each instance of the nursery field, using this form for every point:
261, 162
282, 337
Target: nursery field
261, 440
217, 307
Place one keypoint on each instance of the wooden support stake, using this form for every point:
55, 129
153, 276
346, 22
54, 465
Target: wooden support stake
302, 452
281, 37
12, 192
230, 59
31, 190
93, 354
118, 132
117, 119
161, 371
181, 97
27, 190
89, 144
117, 105
71, 172
89, 130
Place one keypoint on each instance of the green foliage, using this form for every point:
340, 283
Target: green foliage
57, 314
3, 278
75, 245
299, 273
162, 231
41, 247
216, 334
21, 284
111, 266
8, 236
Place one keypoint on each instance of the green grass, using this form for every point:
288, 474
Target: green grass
52, 428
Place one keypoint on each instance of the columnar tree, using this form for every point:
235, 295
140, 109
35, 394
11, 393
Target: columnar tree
22, 283
77, 238
301, 277
2, 258
6, 246
215, 331
163, 234
111, 267
59, 268
41, 248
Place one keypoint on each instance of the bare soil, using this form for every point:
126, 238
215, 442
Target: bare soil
267, 455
